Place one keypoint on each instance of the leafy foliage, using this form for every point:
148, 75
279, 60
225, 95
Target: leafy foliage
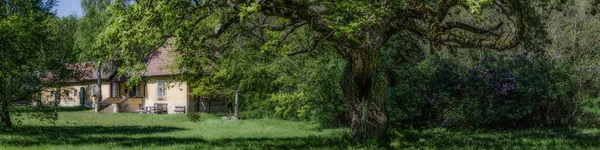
527, 90
193, 117
35, 48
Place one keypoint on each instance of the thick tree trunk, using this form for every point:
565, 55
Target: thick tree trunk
365, 90
5, 115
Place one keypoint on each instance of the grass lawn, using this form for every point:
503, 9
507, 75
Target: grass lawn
89, 130
441, 138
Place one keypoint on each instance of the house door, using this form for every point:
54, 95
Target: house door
81, 96
133, 91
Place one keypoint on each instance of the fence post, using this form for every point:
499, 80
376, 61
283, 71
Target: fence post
237, 94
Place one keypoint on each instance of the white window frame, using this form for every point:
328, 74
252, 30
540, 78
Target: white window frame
114, 90
161, 89
94, 90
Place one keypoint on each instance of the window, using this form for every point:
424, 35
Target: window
160, 88
94, 90
74, 92
115, 89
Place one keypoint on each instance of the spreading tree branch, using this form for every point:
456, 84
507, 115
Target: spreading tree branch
312, 47
484, 38
229, 41
288, 32
472, 29
277, 28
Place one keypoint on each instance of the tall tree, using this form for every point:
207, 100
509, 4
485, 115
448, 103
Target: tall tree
356, 30
90, 25
35, 47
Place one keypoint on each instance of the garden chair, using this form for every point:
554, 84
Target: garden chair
179, 109
152, 110
142, 109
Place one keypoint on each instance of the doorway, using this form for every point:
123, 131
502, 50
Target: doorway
133, 92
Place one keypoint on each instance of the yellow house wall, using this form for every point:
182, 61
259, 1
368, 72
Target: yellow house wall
131, 105
69, 99
66, 99
105, 91
122, 87
175, 95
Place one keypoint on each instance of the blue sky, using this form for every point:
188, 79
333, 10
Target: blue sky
67, 7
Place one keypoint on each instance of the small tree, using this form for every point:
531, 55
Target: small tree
89, 26
35, 47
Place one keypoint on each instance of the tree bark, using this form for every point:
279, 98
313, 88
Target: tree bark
209, 104
99, 94
365, 89
5, 114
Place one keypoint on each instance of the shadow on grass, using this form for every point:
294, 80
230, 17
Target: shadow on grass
66, 131
28, 109
134, 136
540, 138
74, 108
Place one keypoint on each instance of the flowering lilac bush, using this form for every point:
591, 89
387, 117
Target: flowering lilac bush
484, 94
524, 90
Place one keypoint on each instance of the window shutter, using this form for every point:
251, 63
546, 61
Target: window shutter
160, 88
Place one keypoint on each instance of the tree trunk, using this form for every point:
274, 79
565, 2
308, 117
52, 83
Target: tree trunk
99, 94
57, 96
209, 104
5, 115
365, 89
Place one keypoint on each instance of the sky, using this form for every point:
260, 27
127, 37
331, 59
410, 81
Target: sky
68, 7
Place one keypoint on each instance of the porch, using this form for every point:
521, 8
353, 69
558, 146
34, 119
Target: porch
123, 98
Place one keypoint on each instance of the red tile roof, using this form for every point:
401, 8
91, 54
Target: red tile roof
160, 62
83, 72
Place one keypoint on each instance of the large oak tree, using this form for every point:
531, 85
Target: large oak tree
355, 29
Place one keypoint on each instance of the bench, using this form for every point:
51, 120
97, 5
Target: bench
179, 109
161, 108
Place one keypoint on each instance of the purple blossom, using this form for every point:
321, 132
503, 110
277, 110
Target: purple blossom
433, 98
445, 121
556, 57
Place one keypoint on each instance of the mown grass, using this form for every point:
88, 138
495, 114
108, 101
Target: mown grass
90, 130
84, 129
441, 138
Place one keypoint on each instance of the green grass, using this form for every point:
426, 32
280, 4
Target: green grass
441, 138
90, 130
84, 129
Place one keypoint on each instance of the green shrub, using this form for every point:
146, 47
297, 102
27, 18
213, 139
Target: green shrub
193, 117
523, 90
